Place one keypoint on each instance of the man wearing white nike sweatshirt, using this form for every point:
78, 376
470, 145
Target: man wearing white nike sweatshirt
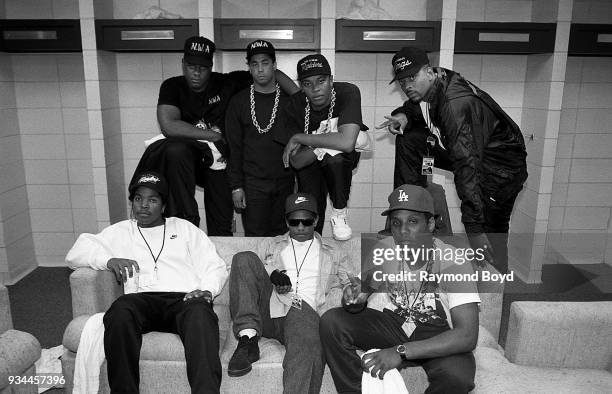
174, 273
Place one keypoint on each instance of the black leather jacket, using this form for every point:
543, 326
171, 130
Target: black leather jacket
485, 145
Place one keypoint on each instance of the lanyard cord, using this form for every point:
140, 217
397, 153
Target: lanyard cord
429, 264
303, 260
151, 251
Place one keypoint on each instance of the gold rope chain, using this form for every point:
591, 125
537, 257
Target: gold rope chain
274, 109
329, 114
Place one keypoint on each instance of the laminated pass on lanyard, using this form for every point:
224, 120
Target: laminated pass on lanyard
428, 160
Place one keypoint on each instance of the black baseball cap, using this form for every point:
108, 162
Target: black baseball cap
151, 179
260, 46
199, 50
299, 201
313, 65
407, 62
410, 197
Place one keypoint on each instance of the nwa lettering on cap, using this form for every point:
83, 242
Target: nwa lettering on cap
410, 197
199, 50
313, 65
260, 46
407, 62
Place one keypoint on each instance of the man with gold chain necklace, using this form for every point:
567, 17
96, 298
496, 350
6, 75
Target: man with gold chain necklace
259, 181
323, 125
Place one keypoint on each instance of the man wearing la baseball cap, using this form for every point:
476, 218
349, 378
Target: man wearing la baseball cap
259, 181
412, 314
191, 114
284, 297
323, 125
485, 145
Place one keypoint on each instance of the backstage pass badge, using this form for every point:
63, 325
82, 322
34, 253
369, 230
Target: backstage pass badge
427, 165
296, 301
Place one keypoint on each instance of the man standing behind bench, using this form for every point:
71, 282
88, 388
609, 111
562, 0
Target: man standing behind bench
174, 272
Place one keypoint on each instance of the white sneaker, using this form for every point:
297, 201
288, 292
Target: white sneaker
340, 228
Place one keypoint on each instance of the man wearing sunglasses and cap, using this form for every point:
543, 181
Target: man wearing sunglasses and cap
485, 146
259, 181
413, 319
323, 127
281, 291
191, 115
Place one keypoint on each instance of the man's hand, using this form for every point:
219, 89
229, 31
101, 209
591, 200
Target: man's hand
378, 363
290, 149
122, 268
281, 281
481, 241
396, 124
352, 294
239, 198
199, 294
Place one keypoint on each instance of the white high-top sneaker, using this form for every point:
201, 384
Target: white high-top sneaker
340, 228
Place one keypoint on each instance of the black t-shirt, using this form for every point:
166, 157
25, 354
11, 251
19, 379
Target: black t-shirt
346, 110
209, 105
251, 153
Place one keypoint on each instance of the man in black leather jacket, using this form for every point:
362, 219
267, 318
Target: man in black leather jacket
485, 146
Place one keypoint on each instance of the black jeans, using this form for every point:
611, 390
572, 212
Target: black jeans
133, 315
264, 215
180, 161
331, 175
343, 332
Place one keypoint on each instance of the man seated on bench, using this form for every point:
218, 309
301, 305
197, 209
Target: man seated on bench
415, 321
282, 294
171, 272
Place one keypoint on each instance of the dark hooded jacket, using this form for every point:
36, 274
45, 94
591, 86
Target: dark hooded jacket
485, 146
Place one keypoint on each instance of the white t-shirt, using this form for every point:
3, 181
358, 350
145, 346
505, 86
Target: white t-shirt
306, 284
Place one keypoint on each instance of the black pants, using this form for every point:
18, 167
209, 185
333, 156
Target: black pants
180, 161
497, 221
343, 332
132, 315
264, 215
331, 175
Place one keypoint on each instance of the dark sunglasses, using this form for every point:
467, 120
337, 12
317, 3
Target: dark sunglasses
296, 222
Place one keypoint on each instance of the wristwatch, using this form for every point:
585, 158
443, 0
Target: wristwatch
401, 349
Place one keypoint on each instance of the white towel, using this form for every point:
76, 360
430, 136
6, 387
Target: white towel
90, 356
392, 383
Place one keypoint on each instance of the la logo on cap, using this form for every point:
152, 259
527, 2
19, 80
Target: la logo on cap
402, 196
300, 200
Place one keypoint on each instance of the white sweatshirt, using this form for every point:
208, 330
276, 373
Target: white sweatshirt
188, 261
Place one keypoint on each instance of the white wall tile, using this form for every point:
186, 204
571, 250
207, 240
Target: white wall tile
9, 122
48, 196
75, 121
593, 146
82, 196
70, 68
46, 172
589, 195
16, 227
73, 94
567, 123
40, 121
380, 193
363, 172
361, 195
595, 95
384, 144
471, 10
504, 68
586, 218
562, 169
7, 100
383, 170
138, 93
139, 67
358, 218
537, 95
84, 221
10, 150
139, 120
78, 147
590, 170
35, 68
239, 9
507, 94
44, 146
356, 67
571, 92
11, 176
57, 243
508, 11
80, 172
555, 218
13, 202
384, 69
593, 120
37, 94
51, 220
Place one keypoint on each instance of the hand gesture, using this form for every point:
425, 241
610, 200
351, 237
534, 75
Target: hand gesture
290, 150
396, 124
281, 281
199, 294
239, 199
481, 241
353, 296
122, 268
378, 363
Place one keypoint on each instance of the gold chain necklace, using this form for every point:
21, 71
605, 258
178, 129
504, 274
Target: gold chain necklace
274, 109
329, 114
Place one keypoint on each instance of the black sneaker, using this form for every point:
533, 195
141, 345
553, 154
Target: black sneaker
246, 353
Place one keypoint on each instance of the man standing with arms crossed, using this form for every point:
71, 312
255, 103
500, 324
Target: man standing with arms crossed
323, 124
259, 181
485, 147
